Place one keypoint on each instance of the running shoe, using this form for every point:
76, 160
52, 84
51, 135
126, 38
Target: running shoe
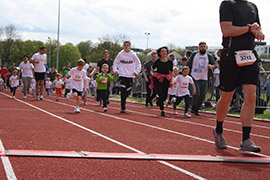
220, 141
162, 113
167, 104
248, 145
57, 100
24, 97
151, 104
41, 97
105, 109
69, 95
187, 115
175, 112
77, 109
123, 111
37, 97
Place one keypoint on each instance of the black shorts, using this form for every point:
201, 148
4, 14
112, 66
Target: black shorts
232, 76
126, 83
76, 91
39, 76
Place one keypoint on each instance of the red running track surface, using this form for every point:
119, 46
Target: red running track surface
52, 126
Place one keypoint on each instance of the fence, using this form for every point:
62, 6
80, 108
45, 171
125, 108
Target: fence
263, 90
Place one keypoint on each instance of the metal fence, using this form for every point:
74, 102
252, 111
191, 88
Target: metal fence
213, 93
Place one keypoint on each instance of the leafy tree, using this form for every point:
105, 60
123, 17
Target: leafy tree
85, 48
8, 35
67, 53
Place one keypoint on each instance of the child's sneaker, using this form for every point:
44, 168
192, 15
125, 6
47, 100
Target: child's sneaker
85, 103
24, 97
69, 95
175, 112
77, 109
37, 97
57, 100
187, 115
41, 97
105, 109
167, 104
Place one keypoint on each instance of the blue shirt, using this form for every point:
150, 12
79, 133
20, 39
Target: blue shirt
148, 66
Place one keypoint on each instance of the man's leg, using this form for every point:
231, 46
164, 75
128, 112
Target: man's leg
25, 85
221, 112
148, 93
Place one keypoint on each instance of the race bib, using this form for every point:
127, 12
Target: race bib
104, 80
245, 57
184, 84
77, 77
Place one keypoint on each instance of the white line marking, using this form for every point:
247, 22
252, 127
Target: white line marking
203, 118
110, 139
7, 165
156, 127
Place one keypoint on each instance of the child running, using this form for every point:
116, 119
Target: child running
86, 90
13, 82
58, 86
172, 89
33, 86
182, 81
103, 79
48, 85
67, 85
78, 80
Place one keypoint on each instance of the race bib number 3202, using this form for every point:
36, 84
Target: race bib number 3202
245, 57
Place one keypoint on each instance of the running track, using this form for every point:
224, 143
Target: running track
52, 126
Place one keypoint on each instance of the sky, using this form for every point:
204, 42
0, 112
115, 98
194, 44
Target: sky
182, 23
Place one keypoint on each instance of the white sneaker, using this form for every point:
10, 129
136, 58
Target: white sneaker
105, 109
77, 109
41, 97
69, 95
37, 97
12, 97
175, 112
187, 115
24, 97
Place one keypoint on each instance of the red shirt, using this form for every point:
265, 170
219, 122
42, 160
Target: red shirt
3, 72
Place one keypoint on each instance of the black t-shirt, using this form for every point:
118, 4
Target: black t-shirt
163, 67
240, 13
103, 61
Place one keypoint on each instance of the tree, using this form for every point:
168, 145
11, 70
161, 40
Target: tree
51, 45
85, 48
67, 53
8, 36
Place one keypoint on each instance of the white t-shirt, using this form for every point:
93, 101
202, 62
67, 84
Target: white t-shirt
182, 85
77, 78
126, 64
175, 62
86, 66
13, 81
42, 59
48, 84
200, 67
172, 90
58, 83
68, 83
26, 69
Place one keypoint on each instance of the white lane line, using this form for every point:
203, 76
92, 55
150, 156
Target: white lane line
189, 122
203, 118
110, 139
155, 127
7, 165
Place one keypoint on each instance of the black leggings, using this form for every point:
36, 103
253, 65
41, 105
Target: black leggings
125, 88
162, 91
179, 99
13, 89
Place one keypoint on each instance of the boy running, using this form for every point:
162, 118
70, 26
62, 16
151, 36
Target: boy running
58, 86
78, 80
103, 79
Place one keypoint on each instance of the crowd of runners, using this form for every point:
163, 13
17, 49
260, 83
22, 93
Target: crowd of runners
237, 64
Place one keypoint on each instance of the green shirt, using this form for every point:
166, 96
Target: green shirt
105, 78
65, 71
